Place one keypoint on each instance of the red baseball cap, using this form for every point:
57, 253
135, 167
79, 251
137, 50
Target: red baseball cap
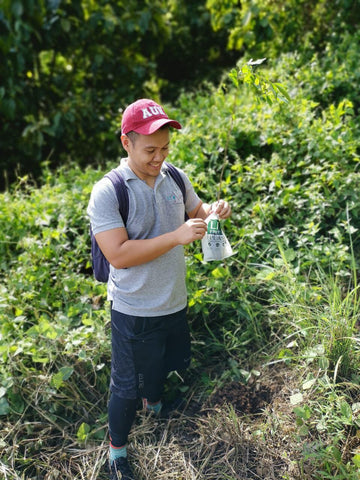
145, 117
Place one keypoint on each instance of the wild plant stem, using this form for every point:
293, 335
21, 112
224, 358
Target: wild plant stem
225, 160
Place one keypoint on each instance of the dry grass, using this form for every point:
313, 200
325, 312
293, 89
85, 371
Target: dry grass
215, 442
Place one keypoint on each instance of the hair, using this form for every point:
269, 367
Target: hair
134, 135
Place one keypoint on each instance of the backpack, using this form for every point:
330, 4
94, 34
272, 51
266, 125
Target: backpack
100, 264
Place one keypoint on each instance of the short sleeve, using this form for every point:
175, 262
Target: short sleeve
103, 207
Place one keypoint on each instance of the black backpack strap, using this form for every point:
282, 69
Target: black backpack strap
121, 192
175, 174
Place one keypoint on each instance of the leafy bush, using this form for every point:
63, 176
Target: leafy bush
50, 314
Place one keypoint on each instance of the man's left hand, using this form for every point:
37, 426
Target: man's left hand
221, 208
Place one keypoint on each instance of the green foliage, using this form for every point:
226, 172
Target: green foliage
194, 52
264, 89
54, 350
267, 27
291, 176
68, 69
61, 88
328, 411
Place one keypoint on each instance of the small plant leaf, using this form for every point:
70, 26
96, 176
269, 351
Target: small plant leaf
324, 363
307, 385
346, 411
303, 431
61, 376
296, 399
303, 412
4, 406
83, 432
66, 372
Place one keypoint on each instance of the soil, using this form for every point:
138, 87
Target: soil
245, 399
253, 397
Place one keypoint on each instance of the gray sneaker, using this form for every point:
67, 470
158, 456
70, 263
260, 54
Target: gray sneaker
120, 470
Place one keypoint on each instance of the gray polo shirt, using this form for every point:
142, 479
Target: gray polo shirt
156, 287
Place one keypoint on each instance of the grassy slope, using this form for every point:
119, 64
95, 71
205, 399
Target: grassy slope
272, 389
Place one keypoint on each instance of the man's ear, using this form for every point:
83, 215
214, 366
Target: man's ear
125, 140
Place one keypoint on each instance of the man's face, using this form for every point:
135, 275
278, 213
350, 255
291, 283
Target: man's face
147, 153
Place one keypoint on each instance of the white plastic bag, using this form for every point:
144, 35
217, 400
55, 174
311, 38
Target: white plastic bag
215, 245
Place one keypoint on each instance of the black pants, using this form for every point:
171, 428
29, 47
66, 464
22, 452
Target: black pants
144, 351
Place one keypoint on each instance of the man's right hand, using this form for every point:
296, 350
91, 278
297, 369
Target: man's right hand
193, 229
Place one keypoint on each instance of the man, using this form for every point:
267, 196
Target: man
146, 287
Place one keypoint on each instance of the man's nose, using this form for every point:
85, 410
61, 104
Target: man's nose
159, 155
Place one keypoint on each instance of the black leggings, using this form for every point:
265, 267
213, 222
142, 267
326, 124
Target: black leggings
121, 416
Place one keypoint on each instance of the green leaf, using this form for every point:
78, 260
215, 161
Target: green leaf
282, 90
324, 363
307, 385
61, 376
356, 460
83, 432
290, 255
4, 406
266, 274
57, 380
219, 272
285, 353
296, 399
65, 25
38, 359
66, 372
17, 8
303, 412
234, 77
346, 411
16, 401
335, 452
